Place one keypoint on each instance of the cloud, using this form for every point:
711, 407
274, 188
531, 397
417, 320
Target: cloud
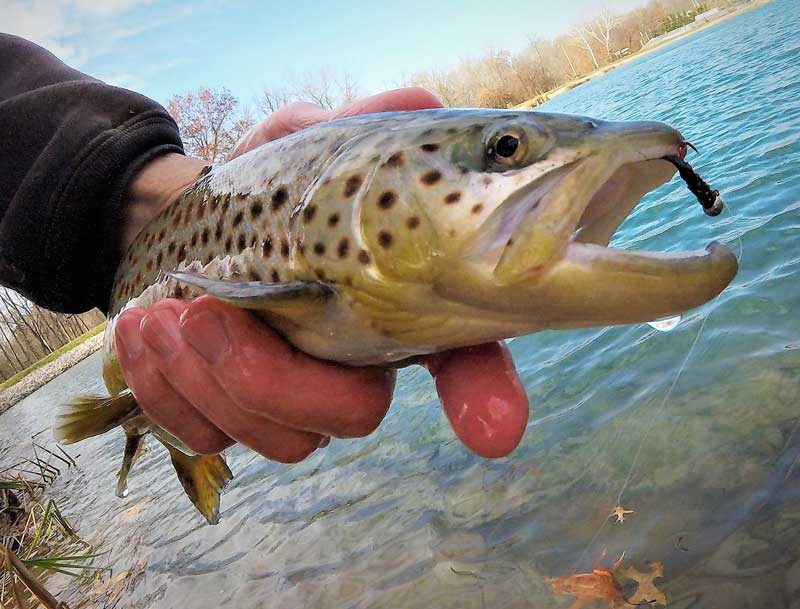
78, 30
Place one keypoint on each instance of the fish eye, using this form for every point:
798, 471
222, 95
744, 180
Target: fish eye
507, 148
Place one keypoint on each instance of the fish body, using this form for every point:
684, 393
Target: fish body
380, 238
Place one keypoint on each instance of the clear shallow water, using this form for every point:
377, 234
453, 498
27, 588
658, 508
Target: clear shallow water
409, 518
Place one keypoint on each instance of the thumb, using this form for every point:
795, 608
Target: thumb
482, 397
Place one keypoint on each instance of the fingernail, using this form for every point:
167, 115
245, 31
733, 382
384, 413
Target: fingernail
205, 332
161, 333
324, 441
129, 337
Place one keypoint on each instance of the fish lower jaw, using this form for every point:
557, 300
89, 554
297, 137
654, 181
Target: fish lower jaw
587, 205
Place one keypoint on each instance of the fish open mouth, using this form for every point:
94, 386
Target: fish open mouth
556, 261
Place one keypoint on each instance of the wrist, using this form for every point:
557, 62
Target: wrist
154, 187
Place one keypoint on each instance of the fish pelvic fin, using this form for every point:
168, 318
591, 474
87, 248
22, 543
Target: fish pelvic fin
133, 450
203, 477
92, 415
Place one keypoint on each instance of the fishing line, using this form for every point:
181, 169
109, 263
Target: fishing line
656, 412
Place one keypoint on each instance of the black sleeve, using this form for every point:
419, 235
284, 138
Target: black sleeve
69, 145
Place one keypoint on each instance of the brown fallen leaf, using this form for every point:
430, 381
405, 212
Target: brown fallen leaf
620, 512
599, 584
646, 590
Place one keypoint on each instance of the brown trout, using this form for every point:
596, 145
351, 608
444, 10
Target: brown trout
380, 238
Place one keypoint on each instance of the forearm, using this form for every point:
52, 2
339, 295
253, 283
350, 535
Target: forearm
70, 148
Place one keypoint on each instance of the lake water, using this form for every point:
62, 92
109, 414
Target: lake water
709, 459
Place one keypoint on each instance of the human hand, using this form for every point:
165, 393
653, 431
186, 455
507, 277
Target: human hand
212, 375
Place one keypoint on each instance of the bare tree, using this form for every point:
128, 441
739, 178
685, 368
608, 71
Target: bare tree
582, 38
274, 99
208, 122
601, 27
322, 87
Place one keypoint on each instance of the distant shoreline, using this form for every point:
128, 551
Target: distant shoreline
48, 368
552, 93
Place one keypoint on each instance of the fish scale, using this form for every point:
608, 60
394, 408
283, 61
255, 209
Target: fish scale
377, 239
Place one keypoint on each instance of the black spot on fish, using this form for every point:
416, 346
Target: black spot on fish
237, 219
204, 236
162, 234
386, 200
255, 210
214, 201
430, 147
395, 161
218, 232
385, 239
453, 197
284, 248
363, 257
195, 237
333, 219
159, 259
308, 213
319, 248
343, 247
412, 222
431, 177
320, 274
171, 248
352, 185
477, 208
226, 203
182, 253
275, 276
228, 245
241, 242
266, 247
279, 198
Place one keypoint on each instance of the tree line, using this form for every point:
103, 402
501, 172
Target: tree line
29, 332
211, 121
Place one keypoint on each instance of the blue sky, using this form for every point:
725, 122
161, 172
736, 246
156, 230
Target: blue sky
163, 47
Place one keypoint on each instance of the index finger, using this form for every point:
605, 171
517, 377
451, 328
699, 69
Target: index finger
266, 376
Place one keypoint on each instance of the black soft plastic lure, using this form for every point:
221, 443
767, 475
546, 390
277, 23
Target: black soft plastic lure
708, 197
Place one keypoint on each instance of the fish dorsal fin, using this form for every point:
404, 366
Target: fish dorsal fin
259, 295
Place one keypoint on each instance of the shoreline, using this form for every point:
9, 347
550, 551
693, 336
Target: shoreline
644, 51
48, 368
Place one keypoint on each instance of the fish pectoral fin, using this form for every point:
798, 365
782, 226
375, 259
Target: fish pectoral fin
203, 477
133, 449
258, 295
91, 415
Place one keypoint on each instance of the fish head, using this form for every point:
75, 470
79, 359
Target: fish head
512, 212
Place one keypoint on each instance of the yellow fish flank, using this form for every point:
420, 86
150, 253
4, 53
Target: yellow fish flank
376, 239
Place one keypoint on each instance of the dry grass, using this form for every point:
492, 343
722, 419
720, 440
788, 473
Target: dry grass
35, 538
